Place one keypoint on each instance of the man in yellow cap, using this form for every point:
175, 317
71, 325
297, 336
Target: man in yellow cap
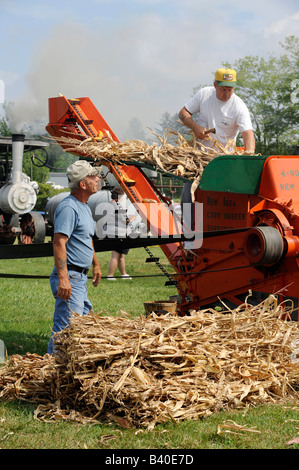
220, 108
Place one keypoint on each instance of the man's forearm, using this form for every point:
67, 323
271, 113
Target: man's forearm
187, 119
249, 141
60, 258
97, 273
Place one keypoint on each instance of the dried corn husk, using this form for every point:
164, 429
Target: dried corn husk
185, 159
143, 371
230, 426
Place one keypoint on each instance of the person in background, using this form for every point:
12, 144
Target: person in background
73, 249
119, 223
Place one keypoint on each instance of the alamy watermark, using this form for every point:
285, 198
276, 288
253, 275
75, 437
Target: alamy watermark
162, 221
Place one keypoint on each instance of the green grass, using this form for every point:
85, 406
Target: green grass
26, 320
27, 304
276, 425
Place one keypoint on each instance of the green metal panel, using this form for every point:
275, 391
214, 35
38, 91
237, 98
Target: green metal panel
234, 174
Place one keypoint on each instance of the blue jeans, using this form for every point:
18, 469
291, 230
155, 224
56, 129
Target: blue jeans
78, 302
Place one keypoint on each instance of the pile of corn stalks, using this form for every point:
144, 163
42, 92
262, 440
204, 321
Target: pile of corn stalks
186, 159
143, 371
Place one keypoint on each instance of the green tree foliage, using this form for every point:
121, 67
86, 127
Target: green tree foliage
46, 191
58, 159
4, 129
35, 172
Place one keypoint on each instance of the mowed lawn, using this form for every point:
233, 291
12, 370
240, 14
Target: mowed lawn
26, 320
27, 304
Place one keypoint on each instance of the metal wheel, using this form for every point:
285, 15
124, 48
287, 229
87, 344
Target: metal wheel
263, 245
33, 228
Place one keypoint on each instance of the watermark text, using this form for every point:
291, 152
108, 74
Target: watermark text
161, 220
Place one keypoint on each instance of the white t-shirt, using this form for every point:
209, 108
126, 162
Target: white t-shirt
227, 117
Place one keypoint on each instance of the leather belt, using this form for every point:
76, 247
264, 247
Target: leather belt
79, 269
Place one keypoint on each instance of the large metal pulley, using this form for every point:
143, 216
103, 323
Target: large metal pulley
263, 245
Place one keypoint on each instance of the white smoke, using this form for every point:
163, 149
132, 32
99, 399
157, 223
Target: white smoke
127, 73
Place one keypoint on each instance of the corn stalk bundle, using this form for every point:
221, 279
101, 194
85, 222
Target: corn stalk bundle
186, 159
143, 371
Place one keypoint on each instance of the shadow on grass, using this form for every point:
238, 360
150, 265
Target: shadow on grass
17, 342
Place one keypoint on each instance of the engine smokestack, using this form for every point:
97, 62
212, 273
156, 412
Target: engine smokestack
17, 196
17, 157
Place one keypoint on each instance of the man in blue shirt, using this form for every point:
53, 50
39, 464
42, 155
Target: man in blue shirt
73, 248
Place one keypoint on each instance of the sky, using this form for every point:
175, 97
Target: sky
132, 58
